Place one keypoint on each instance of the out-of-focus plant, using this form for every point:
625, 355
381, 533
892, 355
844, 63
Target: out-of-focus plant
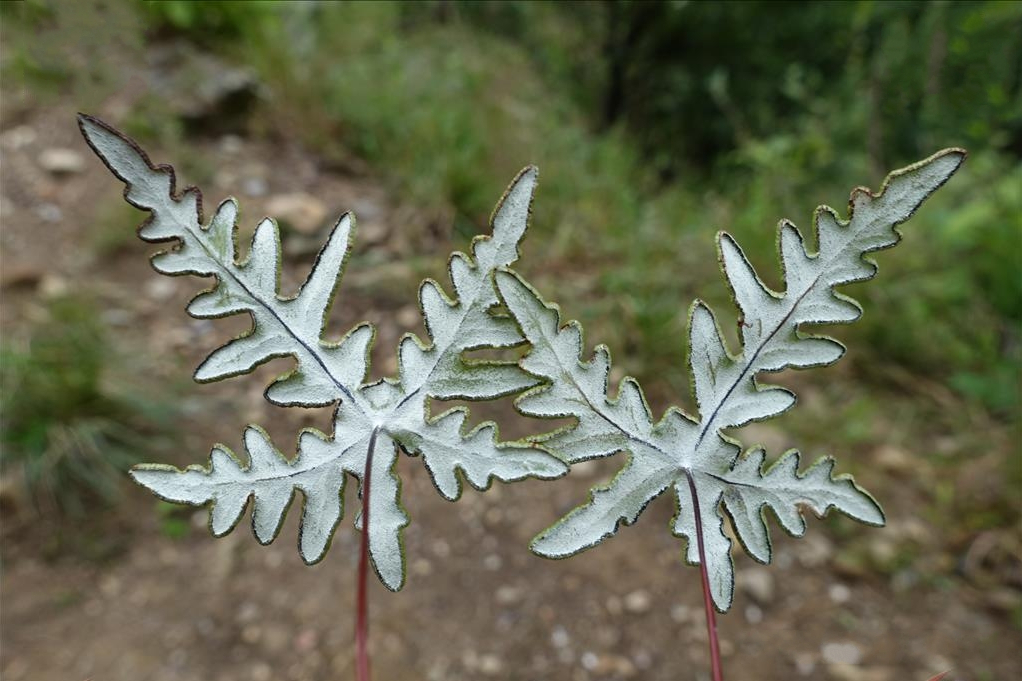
64, 433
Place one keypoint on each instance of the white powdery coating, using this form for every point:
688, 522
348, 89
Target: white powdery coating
680, 451
392, 412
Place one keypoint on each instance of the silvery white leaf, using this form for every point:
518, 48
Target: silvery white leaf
691, 455
371, 422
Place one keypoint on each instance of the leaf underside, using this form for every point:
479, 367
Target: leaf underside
665, 454
333, 371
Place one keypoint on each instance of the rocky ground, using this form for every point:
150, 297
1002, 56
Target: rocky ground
151, 604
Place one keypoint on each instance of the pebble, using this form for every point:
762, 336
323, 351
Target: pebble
638, 601
371, 232
61, 161
753, 614
758, 583
841, 653
302, 212
262, 672
18, 137
681, 613
508, 594
839, 593
882, 550
407, 316
251, 634
160, 288
110, 586
603, 664
248, 612
559, 637
805, 663
490, 664
254, 186
814, 550
306, 640
895, 460
49, 212
844, 672
231, 144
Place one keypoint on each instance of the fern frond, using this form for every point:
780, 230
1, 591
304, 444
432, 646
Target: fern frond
392, 414
693, 455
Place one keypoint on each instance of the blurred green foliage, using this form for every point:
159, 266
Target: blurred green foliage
64, 434
655, 124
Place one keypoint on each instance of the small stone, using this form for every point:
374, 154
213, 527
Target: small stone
251, 634
262, 672
894, 460
758, 583
110, 586
882, 550
370, 232
18, 137
493, 562
407, 316
422, 567
254, 186
160, 288
53, 286
606, 664
638, 601
306, 640
814, 550
508, 594
231, 144
839, 593
302, 212
490, 664
643, 659
805, 663
848, 672
49, 212
841, 653
681, 613
61, 161
559, 637
753, 614
248, 612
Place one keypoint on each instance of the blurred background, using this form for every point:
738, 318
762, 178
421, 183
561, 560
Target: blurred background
654, 125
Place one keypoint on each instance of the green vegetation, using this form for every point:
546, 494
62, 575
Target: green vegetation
64, 434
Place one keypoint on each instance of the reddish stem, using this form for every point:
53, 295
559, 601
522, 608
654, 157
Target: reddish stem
711, 613
362, 609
